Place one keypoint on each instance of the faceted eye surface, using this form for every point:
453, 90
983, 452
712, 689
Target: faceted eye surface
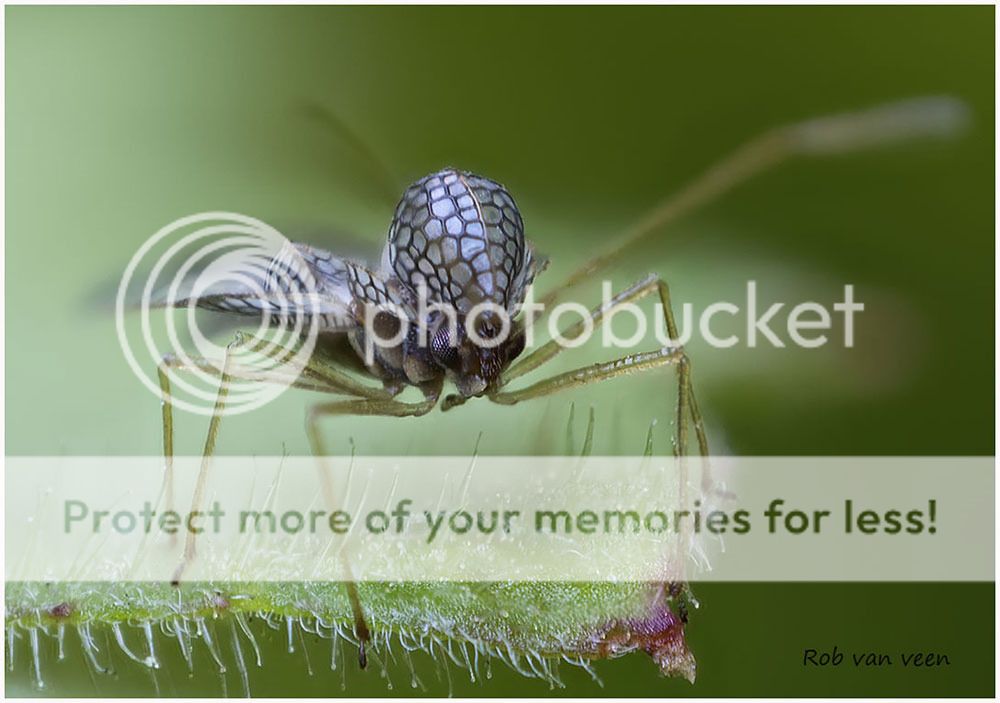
461, 236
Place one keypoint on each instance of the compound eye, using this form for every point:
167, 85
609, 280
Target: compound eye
444, 349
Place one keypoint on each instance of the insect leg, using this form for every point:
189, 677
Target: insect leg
206, 459
630, 364
167, 410
696, 418
315, 377
586, 375
553, 347
361, 406
168, 362
687, 404
366, 406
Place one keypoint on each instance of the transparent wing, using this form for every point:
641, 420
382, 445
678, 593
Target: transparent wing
100, 299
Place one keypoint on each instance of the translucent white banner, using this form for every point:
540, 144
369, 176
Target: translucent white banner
500, 518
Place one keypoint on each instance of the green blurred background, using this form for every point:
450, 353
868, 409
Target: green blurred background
120, 120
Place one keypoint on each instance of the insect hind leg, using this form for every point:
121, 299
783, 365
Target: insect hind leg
315, 377
167, 413
207, 453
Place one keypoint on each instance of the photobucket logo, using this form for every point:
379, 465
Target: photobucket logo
230, 263
570, 324
805, 324
433, 323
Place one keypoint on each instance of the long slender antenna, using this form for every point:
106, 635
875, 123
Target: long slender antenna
386, 182
938, 116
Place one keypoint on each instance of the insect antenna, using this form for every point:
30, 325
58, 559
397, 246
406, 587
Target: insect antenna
935, 116
387, 184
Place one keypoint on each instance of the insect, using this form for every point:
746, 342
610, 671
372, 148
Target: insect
461, 238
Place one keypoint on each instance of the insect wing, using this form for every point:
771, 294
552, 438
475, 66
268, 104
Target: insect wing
298, 284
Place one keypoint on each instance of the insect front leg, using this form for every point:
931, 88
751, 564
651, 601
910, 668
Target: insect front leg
687, 406
676, 356
594, 373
